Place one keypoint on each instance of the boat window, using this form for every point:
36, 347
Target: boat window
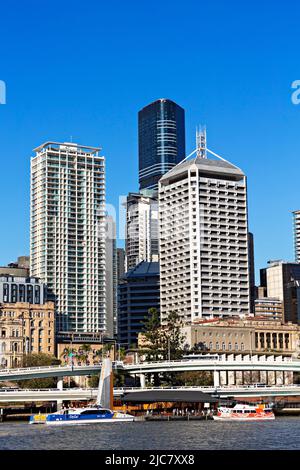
95, 412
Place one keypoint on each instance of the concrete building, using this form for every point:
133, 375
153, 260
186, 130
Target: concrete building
141, 229
249, 336
137, 293
67, 232
15, 289
282, 281
25, 328
111, 277
120, 263
161, 141
296, 215
251, 272
19, 268
204, 255
271, 308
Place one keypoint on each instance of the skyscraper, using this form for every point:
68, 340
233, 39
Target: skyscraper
161, 141
67, 232
141, 229
282, 282
111, 276
204, 260
296, 215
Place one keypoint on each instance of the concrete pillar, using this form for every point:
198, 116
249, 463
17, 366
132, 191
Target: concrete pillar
216, 378
271, 377
231, 377
238, 377
279, 377
223, 377
60, 384
59, 404
263, 376
143, 380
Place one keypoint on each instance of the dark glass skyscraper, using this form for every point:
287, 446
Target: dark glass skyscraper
161, 141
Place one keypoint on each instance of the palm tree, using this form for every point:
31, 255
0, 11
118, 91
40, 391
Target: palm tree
67, 352
84, 352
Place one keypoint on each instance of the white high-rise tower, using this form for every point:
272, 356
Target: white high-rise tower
67, 232
296, 215
204, 266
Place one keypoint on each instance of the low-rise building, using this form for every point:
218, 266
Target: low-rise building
25, 329
248, 336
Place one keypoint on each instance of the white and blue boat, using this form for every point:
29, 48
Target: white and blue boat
98, 413
88, 415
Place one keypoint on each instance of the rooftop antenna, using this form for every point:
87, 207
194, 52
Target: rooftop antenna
201, 142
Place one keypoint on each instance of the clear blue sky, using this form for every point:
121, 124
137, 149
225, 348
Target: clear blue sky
85, 68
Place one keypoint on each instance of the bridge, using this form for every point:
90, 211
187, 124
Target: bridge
82, 394
276, 364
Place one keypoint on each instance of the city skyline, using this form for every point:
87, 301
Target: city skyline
249, 114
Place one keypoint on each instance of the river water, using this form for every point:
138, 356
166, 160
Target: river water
282, 433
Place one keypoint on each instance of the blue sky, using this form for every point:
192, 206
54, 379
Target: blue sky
84, 69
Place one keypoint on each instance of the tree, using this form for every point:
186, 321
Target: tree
164, 341
67, 354
37, 360
194, 378
83, 353
152, 332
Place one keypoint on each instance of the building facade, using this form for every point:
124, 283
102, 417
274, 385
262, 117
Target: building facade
120, 263
15, 289
137, 293
141, 242
25, 329
67, 232
204, 259
161, 127
20, 268
269, 307
111, 277
249, 336
282, 281
296, 215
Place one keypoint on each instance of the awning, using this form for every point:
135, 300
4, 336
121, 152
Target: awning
173, 396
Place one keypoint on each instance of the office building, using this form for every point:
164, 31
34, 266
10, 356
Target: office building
19, 268
67, 232
137, 293
141, 242
204, 255
296, 215
111, 277
17, 289
161, 127
269, 307
282, 282
120, 263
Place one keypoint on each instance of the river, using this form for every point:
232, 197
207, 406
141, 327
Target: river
283, 433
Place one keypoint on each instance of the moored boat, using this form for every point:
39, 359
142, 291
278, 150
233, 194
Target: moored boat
88, 415
244, 413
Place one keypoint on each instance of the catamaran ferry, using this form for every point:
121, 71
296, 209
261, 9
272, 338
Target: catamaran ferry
98, 413
244, 413
89, 415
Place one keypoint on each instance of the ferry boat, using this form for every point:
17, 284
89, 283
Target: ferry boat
244, 413
100, 412
89, 415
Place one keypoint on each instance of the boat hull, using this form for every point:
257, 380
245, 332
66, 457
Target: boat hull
74, 422
246, 419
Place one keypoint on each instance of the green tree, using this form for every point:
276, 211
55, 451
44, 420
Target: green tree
83, 353
153, 335
195, 378
37, 360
